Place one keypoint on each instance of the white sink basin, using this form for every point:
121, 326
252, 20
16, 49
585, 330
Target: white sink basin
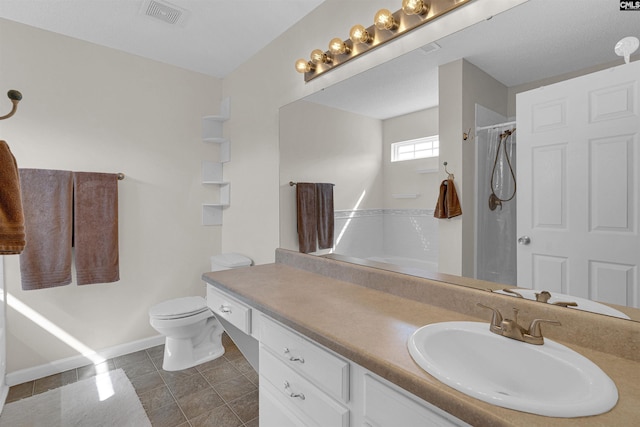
548, 379
583, 303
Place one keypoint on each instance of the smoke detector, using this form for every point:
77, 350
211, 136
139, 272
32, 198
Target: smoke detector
164, 11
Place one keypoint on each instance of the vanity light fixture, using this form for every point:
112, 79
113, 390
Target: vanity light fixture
304, 66
319, 57
387, 26
359, 34
338, 47
384, 20
415, 7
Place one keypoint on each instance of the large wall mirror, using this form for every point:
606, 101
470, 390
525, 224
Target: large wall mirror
384, 209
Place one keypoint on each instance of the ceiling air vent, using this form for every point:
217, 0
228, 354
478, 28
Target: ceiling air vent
165, 12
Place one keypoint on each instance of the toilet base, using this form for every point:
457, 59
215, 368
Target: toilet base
185, 353
181, 355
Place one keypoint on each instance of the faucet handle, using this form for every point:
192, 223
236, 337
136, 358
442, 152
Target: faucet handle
496, 319
534, 328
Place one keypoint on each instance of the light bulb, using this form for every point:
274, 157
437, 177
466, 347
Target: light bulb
384, 20
359, 34
414, 7
319, 57
338, 47
304, 66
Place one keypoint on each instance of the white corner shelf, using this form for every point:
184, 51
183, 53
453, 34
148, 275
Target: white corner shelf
212, 131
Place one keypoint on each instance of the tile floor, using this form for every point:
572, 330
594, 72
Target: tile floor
220, 393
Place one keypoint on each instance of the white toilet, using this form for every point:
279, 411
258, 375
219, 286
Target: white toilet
193, 334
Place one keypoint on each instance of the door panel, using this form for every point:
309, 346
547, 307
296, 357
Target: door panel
578, 179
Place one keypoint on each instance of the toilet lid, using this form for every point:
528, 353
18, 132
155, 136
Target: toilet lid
179, 307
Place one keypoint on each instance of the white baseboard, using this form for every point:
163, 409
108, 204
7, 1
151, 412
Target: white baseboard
57, 366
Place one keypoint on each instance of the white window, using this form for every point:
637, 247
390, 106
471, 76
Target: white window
415, 149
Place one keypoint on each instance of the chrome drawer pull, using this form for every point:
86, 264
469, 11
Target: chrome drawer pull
293, 358
225, 309
292, 394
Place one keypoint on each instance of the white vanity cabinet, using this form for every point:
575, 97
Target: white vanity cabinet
309, 381
303, 383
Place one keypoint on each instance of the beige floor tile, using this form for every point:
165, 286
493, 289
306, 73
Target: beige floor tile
55, 381
198, 403
146, 383
246, 407
184, 386
131, 358
92, 370
20, 391
234, 388
224, 371
156, 398
166, 416
221, 416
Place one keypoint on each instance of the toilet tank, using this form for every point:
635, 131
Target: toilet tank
228, 261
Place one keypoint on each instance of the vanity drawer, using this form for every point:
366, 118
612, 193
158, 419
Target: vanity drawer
299, 394
322, 368
229, 308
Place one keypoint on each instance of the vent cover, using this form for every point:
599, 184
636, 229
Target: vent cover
165, 12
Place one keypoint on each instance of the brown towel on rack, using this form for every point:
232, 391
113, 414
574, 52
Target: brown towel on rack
324, 195
307, 210
47, 201
12, 238
96, 227
448, 204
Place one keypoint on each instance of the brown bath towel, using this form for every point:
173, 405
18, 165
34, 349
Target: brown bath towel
448, 204
47, 201
96, 227
324, 195
307, 209
12, 238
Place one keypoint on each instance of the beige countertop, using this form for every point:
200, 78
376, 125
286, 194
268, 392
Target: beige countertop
371, 328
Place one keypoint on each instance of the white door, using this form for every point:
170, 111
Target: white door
579, 183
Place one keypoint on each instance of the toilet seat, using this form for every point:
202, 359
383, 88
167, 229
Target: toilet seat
178, 308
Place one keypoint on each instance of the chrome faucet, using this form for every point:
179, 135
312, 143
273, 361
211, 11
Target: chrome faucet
511, 329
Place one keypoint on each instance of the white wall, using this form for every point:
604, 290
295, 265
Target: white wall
90, 108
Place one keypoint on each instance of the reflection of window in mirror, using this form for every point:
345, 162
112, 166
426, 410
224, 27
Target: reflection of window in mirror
419, 148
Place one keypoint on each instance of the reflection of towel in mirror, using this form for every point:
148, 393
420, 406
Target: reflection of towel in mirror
306, 206
324, 193
448, 204
12, 238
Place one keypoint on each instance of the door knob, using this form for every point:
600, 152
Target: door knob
524, 240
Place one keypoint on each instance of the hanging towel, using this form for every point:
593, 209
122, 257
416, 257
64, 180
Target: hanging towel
324, 195
12, 238
307, 211
448, 204
96, 227
47, 202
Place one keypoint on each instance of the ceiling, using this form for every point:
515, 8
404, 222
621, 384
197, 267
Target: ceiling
532, 41
206, 37
538, 39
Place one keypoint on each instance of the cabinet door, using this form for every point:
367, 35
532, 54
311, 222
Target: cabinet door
385, 406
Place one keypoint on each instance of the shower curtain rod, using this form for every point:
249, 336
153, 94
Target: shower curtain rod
499, 125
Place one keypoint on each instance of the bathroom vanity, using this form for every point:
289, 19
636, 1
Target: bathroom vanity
329, 340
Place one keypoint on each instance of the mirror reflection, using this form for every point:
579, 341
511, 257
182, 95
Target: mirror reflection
384, 209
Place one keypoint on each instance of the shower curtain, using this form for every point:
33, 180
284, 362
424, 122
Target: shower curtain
496, 259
